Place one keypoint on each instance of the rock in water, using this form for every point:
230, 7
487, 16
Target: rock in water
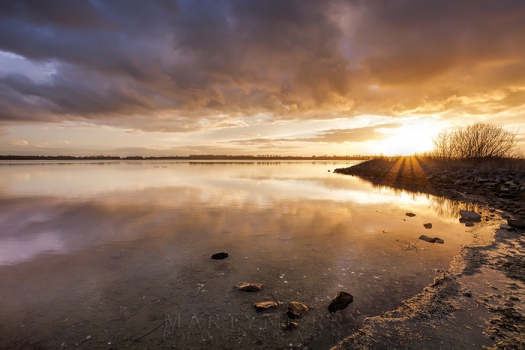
429, 225
340, 301
410, 215
219, 256
248, 287
296, 309
264, 305
469, 215
431, 239
427, 239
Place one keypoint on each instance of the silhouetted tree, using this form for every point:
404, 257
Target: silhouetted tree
475, 141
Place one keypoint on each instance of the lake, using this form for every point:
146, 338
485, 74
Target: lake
117, 254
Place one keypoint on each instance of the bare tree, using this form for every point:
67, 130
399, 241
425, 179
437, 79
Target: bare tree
442, 145
475, 141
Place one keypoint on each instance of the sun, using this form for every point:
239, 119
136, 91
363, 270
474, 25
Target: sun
408, 139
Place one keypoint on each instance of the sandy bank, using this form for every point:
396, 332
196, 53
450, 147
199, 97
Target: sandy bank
479, 301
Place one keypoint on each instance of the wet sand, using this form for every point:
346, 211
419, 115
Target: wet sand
478, 302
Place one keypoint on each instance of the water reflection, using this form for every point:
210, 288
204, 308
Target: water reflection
126, 244
255, 208
443, 207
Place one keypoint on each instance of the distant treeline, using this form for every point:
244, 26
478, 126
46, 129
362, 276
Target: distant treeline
190, 157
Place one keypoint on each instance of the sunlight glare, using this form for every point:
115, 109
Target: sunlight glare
408, 139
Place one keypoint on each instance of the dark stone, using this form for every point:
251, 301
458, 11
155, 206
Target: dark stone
429, 225
431, 239
340, 302
219, 256
469, 215
264, 305
410, 215
427, 239
248, 287
296, 309
469, 224
516, 223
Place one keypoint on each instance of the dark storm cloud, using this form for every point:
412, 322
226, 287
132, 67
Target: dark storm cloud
415, 41
164, 65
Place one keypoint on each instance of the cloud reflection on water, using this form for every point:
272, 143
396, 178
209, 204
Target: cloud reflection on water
16, 250
84, 206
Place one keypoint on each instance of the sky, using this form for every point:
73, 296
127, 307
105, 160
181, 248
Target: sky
279, 77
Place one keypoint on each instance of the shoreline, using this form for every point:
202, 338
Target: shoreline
479, 302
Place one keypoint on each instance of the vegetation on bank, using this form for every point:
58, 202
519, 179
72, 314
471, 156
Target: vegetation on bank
475, 141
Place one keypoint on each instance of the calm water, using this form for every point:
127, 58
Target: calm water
116, 254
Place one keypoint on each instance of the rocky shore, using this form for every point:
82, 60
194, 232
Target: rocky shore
479, 302
500, 187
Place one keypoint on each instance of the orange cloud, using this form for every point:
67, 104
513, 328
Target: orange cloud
189, 66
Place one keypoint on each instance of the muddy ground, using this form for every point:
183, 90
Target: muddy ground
478, 303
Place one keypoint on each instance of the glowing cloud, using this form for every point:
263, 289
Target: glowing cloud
194, 67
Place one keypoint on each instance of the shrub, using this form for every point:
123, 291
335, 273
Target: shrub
475, 141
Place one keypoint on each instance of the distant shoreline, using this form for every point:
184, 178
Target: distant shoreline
190, 157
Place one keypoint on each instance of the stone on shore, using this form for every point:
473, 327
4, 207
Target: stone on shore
428, 225
219, 256
296, 309
264, 305
340, 301
248, 287
410, 215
